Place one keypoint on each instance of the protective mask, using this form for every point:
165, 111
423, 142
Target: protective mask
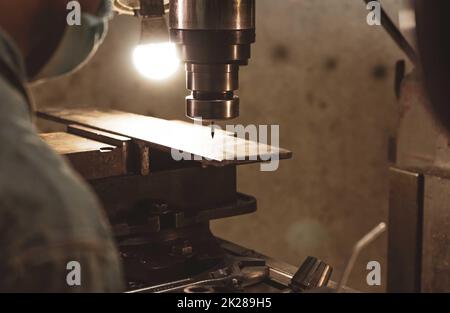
78, 44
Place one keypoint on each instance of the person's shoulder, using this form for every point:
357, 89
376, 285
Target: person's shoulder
49, 216
38, 185
12, 99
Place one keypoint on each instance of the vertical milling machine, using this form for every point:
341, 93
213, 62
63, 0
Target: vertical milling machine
214, 39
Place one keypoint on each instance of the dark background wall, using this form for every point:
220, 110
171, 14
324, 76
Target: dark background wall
326, 77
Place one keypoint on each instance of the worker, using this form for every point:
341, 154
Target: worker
54, 235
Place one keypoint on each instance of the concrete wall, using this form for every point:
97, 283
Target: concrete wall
326, 77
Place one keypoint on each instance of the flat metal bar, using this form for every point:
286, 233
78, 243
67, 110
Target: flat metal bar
90, 158
66, 144
136, 156
98, 135
435, 266
165, 135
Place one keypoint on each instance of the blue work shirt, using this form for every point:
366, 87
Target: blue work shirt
50, 221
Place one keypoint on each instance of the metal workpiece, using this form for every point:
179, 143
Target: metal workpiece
214, 38
419, 245
151, 8
165, 137
213, 87
90, 157
214, 47
404, 237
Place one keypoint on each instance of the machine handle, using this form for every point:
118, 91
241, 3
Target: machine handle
312, 274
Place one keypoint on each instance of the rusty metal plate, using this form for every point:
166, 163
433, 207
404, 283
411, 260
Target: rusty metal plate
136, 154
166, 135
92, 159
67, 144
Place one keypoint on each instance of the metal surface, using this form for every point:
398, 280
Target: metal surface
419, 244
405, 233
91, 159
436, 232
212, 14
234, 275
256, 273
101, 136
205, 77
312, 274
280, 271
207, 105
165, 135
188, 190
136, 153
214, 39
170, 255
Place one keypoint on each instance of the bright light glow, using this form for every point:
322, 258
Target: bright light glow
156, 61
